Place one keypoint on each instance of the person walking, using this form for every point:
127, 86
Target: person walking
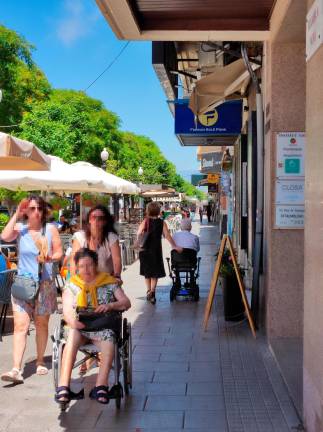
151, 257
37, 242
101, 237
201, 213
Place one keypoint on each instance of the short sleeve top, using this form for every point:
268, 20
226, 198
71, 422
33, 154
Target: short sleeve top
104, 251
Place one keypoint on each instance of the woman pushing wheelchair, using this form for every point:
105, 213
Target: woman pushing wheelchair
100, 292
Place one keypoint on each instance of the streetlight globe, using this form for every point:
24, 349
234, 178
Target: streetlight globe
104, 155
140, 171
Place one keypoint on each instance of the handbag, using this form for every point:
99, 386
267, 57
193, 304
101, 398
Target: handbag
142, 237
26, 287
95, 321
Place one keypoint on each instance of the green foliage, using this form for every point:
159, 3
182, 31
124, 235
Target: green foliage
59, 202
4, 219
21, 81
72, 125
11, 198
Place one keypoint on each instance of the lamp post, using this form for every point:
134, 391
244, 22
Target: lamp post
141, 200
104, 157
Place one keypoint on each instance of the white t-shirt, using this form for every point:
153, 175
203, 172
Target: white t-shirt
187, 240
104, 251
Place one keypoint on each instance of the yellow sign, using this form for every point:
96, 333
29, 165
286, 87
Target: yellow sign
209, 118
213, 178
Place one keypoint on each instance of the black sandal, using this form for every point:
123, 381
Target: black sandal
152, 297
100, 392
64, 395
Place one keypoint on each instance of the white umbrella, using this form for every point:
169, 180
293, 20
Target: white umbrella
61, 177
18, 154
122, 186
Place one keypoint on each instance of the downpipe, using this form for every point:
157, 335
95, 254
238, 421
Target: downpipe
260, 188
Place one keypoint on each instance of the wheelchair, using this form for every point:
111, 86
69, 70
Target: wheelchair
184, 270
122, 359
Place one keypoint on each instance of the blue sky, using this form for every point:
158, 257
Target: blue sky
74, 44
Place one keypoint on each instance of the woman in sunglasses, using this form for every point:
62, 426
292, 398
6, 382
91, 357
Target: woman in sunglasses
101, 237
38, 242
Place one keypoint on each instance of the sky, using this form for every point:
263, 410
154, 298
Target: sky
74, 44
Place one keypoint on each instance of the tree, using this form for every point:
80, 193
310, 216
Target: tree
71, 125
21, 81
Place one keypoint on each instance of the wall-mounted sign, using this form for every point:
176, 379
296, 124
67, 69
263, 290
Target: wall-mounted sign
290, 154
225, 183
290, 182
211, 162
213, 178
314, 28
290, 191
290, 216
226, 119
196, 178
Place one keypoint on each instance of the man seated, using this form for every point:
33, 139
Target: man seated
184, 238
63, 224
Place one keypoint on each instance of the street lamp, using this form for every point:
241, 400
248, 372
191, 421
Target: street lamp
104, 158
141, 200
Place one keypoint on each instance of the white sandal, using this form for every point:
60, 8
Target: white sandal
41, 370
13, 376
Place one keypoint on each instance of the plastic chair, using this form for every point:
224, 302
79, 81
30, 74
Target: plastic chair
6, 279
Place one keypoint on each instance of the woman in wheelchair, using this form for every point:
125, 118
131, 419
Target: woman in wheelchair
100, 291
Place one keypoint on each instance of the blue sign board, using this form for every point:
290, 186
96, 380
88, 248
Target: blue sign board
226, 119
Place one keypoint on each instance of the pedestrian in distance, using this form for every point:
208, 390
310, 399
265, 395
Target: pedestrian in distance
151, 255
201, 214
39, 246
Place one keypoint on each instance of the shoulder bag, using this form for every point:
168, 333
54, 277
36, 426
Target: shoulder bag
142, 237
26, 287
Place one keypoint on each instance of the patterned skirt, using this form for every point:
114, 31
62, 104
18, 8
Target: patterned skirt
45, 304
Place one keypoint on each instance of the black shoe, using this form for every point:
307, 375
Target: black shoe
152, 298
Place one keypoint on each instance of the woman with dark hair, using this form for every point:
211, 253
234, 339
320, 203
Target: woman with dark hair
101, 237
38, 242
100, 291
151, 257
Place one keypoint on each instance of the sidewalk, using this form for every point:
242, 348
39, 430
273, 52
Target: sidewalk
184, 379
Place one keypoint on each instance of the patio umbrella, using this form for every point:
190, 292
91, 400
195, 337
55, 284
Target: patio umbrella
18, 154
121, 186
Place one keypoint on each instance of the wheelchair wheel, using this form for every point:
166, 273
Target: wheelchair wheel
127, 356
58, 348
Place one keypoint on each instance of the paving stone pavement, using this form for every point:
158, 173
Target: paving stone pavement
221, 380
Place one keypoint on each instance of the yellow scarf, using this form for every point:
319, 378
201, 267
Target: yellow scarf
100, 280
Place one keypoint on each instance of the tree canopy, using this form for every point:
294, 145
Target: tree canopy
72, 125
21, 81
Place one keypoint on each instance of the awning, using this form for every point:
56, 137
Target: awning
227, 83
18, 154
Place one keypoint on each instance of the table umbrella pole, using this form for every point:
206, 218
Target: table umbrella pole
81, 210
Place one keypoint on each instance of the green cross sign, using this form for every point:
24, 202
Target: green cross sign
292, 166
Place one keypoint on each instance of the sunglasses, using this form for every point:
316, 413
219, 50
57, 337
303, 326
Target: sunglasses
34, 208
97, 217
